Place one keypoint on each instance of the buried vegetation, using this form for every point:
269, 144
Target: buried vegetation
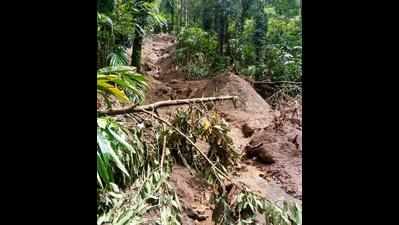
199, 130
134, 163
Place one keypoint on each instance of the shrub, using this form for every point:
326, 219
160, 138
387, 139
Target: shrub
196, 52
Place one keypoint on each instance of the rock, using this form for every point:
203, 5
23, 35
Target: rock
247, 131
165, 90
268, 189
196, 214
261, 152
264, 156
174, 81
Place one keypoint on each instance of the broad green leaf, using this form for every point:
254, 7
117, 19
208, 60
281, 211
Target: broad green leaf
121, 140
106, 148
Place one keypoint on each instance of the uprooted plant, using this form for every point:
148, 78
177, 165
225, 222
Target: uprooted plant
238, 206
137, 149
198, 124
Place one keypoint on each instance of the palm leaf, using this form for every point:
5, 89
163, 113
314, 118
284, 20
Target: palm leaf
118, 57
112, 90
123, 82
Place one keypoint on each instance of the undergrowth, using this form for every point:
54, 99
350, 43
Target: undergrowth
238, 207
133, 177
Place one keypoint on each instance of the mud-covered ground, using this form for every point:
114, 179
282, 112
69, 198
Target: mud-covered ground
270, 140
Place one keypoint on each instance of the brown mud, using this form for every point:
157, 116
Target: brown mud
270, 140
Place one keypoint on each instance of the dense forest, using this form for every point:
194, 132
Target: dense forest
198, 106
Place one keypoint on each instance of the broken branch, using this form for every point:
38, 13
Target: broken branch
153, 106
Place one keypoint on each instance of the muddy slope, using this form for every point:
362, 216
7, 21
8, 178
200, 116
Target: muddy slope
252, 121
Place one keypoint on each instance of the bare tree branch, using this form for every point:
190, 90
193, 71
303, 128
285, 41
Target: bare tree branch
152, 107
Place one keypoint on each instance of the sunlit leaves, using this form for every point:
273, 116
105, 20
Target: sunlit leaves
122, 82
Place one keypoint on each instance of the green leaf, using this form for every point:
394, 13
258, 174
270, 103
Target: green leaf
104, 168
106, 148
125, 218
120, 140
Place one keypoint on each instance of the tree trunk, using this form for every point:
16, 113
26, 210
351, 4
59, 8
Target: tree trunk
172, 23
221, 27
181, 20
138, 40
136, 50
186, 11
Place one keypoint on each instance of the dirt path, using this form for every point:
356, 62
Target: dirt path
251, 123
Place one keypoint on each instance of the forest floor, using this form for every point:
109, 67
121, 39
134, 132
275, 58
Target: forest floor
256, 128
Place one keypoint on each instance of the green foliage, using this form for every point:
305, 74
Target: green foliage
124, 22
124, 160
105, 6
284, 51
123, 82
139, 186
121, 155
105, 39
168, 8
284, 64
129, 181
278, 54
284, 31
156, 21
259, 41
285, 8
147, 18
114, 31
118, 57
207, 126
183, 152
215, 131
211, 35
243, 50
197, 123
196, 52
118, 26
262, 38
149, 192
240, 207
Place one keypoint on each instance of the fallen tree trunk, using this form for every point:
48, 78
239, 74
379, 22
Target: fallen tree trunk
153, 106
